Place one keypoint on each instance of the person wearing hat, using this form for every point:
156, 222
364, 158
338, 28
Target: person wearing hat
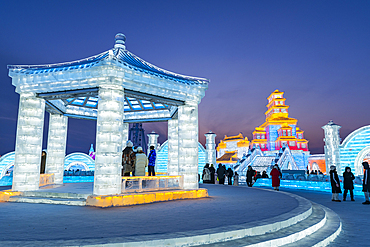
366, 182
335, 184
141, 161
275, 177
127, 159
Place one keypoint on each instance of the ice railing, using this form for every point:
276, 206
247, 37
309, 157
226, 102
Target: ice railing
139, 184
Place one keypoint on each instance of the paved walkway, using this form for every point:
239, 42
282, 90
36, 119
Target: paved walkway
228, 205
355, 217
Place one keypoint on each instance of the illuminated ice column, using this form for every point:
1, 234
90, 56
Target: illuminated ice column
188, 144
173, 147
332, 142
56, 151
152, 141
210, 148
109, 135
124, 134
28, 145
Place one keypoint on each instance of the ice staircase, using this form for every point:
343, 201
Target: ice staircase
319, 229
72, 199
310, 224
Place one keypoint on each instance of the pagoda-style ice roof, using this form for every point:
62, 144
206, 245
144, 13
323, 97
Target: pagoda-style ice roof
120, 56
72, 88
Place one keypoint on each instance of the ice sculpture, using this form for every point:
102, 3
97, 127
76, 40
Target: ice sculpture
115, 88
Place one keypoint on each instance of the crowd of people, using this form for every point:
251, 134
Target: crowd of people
134, 161
348, 178
212, 176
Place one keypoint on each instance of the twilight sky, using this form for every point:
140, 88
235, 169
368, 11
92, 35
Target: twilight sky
317, 52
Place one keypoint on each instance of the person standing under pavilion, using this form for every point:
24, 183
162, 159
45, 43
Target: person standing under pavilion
151, 158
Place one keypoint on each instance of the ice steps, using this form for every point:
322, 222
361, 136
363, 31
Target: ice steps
49, 200
324, 235
54, 195
319, 229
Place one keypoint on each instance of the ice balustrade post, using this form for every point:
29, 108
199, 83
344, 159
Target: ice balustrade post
56, 151
28, 147
210, 148
109, 134
140, 184
188, 144
173, 148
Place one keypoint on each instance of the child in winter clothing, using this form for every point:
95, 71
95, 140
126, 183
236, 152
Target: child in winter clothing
236, 179
348, 178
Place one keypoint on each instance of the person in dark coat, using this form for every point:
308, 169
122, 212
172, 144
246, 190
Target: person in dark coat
335, 184
366, 182
230, 175
348, 178
213, 171
221, 174
264, 174
250, 175
275, 177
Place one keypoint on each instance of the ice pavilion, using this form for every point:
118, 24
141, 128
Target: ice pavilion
115, 88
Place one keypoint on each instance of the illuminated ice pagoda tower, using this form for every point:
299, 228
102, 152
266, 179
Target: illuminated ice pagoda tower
280, 131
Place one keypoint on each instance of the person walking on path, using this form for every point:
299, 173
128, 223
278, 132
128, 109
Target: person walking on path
221, 174
348, 178
275, 177
236, 179
250, 175
128, 159
151, 158
212, 170
335, 184
230, 175
206, 176
141, 162
366, 182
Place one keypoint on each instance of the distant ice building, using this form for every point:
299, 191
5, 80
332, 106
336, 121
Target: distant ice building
232, 148
351, 152
278, 134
